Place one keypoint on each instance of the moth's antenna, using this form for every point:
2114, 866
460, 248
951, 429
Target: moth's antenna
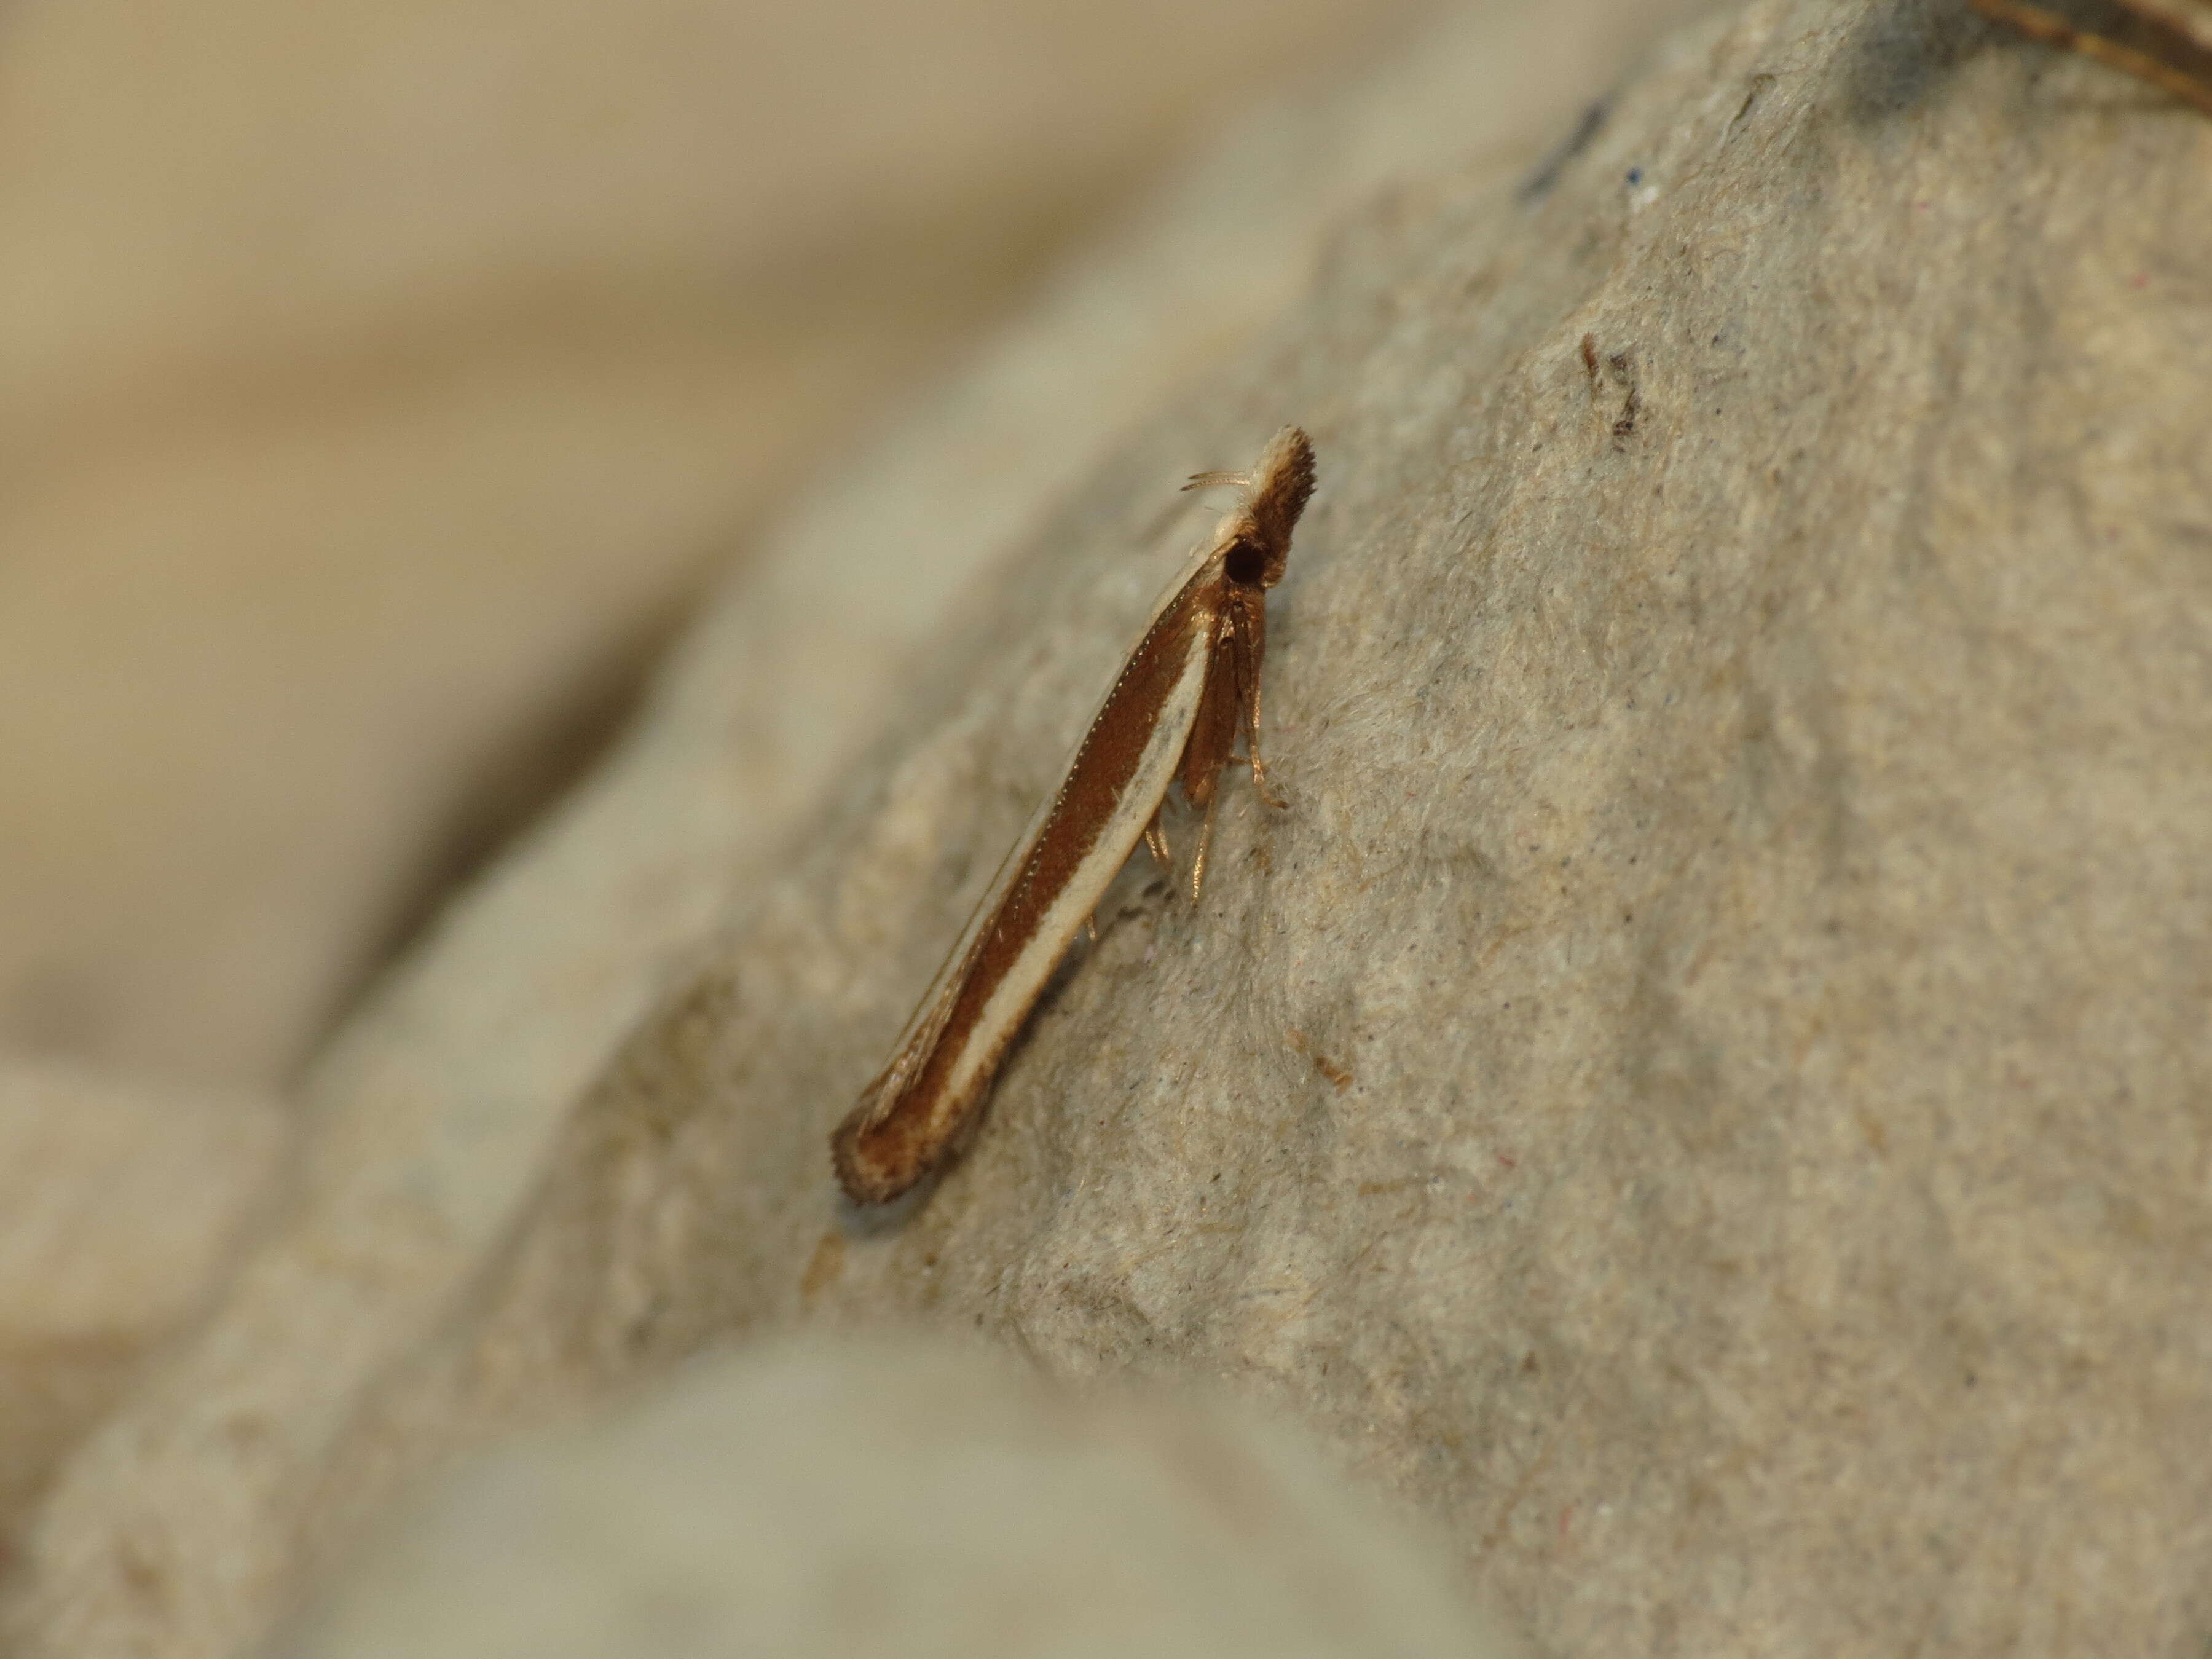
1207, 480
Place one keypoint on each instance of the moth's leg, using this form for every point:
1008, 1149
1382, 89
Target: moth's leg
1252, 752
1156, 840
1213, 732
1251, 700
1205, 841
1091, 925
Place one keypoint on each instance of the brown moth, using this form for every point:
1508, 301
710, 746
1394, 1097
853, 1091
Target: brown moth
2170, 45
1188, 689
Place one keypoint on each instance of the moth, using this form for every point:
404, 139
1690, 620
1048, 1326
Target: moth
1189, 687
2169, 42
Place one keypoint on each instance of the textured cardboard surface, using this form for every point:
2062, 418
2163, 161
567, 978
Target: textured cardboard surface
1745, 877
1702, 1093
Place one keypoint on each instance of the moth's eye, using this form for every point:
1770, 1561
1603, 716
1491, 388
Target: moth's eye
1244, 564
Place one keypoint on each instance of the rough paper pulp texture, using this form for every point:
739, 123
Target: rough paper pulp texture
1703, 1090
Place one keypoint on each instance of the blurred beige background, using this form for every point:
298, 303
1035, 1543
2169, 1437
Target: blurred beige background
376, 387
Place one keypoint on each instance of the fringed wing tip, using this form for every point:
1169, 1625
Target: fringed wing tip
866, 1180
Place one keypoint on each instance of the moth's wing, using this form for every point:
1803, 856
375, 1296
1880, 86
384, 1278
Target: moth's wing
1050, 881
915, 1045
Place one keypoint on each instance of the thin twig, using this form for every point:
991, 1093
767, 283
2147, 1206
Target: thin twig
2053, 30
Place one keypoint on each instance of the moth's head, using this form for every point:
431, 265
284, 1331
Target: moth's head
1282, 482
